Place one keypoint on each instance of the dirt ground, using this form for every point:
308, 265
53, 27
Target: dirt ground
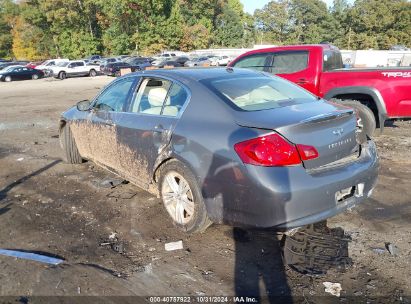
57, 209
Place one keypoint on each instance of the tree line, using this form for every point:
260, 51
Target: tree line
38, 29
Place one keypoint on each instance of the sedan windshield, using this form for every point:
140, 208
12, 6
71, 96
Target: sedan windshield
260, 93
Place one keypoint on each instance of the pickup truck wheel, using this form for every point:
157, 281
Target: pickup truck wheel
366, 121
93, 73
182, 197
62, 75
118, 74
71, 153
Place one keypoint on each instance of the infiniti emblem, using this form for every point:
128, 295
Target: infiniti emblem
338, 132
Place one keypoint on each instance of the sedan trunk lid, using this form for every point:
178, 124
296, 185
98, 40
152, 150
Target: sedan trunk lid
328, 127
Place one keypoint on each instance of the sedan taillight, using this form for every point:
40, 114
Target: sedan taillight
273, 150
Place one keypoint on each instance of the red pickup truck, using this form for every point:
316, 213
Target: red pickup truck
377, 94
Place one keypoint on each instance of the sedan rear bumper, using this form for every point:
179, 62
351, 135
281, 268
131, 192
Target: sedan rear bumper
289, 197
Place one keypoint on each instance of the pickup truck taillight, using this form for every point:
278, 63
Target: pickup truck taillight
273, 150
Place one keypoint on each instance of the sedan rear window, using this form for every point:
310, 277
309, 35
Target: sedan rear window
260, 93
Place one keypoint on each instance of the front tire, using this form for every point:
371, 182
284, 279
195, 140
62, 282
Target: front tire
35, 77
71, 153
92, 73
182, 197
7, 79
62, 75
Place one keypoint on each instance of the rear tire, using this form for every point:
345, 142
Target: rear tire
71, 153
366, 121
198, 221
117, 74
62, 75
93, 73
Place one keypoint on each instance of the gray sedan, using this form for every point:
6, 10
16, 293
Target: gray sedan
230, 146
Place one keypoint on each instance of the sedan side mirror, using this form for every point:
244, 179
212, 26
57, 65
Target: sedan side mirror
84, 105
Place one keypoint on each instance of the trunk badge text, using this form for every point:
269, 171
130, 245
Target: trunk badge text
339, 143
338, 132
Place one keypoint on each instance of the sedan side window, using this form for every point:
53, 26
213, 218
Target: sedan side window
114, 98
160, 97
151, 96
178, 97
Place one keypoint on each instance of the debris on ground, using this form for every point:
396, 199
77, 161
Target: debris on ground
109, 182
315, 249
114, 243
173, 246
20, 159
118, 247
148, 269
31, 256
379, 250
392, 249
332, 288
122, 194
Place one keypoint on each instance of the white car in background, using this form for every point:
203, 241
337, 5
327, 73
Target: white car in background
49, 63
223, 60
74, 68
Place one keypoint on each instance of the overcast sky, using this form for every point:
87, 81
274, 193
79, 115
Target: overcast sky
251, 5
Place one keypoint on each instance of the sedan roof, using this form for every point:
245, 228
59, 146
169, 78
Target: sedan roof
196, 74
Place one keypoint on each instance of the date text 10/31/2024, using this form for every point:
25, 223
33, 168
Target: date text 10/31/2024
202, 299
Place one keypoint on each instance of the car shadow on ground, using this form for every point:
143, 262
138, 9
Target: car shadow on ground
7, 189
259, 270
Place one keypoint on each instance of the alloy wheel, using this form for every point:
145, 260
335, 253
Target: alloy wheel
178, 198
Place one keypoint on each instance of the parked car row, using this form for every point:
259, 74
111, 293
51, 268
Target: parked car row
93, 65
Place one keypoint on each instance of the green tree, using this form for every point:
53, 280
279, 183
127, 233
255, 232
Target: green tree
273, 21
311, 21
174, 31
8, 13
229, 30
380, 23
116, 24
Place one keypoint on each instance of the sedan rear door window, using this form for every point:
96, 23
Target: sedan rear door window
151, 96
159, 97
